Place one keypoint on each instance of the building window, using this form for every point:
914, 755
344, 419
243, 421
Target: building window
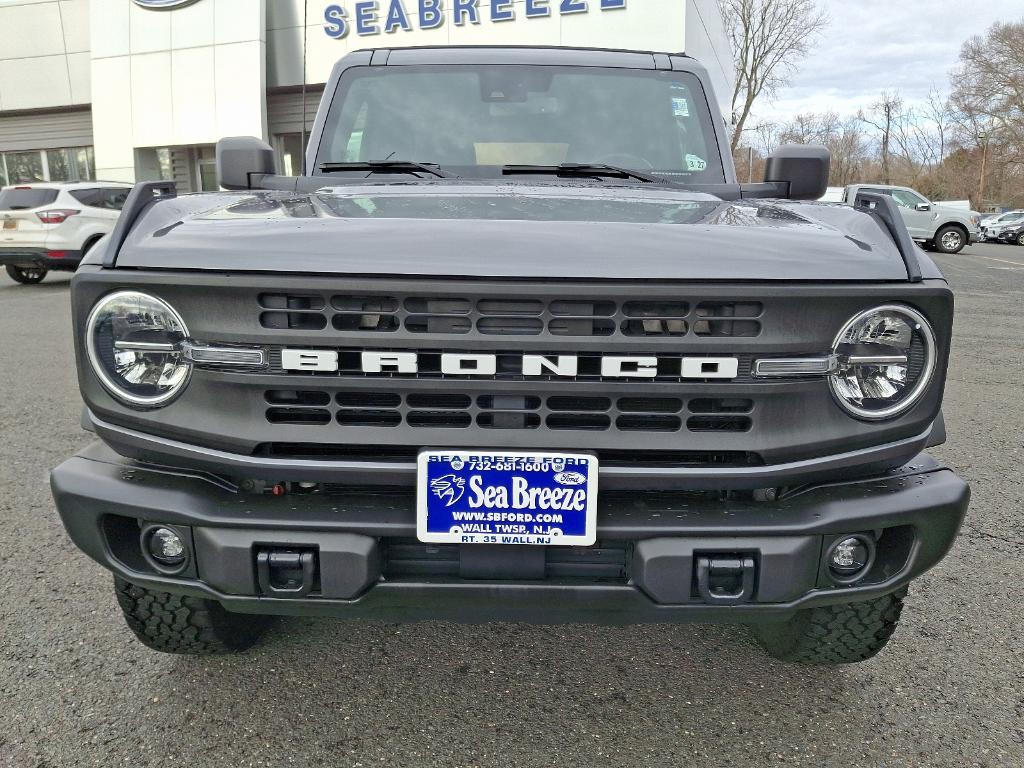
66, 164
289, 153
206, 169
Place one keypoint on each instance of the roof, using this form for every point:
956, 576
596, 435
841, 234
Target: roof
69, 184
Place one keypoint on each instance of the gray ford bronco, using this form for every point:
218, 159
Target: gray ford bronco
516, 346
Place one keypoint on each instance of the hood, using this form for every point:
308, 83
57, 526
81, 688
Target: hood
513, 231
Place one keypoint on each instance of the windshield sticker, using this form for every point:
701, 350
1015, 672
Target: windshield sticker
680, 107
694, 163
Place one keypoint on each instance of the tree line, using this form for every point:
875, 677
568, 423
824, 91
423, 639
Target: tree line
966, 143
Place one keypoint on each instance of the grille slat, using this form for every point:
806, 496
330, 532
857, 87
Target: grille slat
496, 315
454, 410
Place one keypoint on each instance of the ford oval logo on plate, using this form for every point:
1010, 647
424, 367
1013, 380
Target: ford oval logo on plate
163, 5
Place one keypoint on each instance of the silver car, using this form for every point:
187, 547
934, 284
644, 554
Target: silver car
992, 227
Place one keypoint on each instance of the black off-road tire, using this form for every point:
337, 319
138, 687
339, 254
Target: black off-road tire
26, 275
950, 239
188, 625
834, 634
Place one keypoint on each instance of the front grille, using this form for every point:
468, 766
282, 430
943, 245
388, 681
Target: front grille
455, 410
406, 454
606, 561
665, 431
498, 316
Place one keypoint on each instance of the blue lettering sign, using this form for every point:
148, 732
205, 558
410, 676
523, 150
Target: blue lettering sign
463, 9
366, 18
431, 15
334, 22
536, 9
501, 10
397, 17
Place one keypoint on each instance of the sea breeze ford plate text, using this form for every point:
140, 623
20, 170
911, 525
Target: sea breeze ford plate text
502, 497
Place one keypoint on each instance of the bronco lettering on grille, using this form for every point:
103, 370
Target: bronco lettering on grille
565, 366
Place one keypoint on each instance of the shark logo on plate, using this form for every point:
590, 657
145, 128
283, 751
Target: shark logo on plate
449, 489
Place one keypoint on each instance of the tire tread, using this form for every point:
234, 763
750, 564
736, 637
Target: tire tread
182, 624
834, 634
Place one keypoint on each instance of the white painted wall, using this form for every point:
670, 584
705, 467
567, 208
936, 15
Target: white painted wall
44, 54
643, 25
174, 78
693, 26
707, 42
195, 74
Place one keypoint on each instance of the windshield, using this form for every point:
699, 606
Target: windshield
23, 198
474, 120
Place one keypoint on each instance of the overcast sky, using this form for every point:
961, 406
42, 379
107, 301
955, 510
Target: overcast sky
876, 45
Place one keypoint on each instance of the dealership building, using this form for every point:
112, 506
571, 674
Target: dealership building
142, 89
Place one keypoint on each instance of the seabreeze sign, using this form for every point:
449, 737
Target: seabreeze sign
373, 17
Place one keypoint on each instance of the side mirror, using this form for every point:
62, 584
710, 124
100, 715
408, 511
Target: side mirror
804, 167
923, 207
240, 157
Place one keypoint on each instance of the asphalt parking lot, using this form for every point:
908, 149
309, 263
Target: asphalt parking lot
76, 689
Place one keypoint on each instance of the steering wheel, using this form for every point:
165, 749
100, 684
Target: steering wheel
626, 160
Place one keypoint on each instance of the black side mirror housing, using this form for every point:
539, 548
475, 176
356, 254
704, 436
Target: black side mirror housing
239, 158
804, 167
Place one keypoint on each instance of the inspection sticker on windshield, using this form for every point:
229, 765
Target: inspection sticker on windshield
506, 497
694, 163
680, 107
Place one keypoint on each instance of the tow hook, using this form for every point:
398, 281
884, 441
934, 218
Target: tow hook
285, 572
725, 580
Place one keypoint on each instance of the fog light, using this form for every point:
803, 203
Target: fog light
850, 556
166, 547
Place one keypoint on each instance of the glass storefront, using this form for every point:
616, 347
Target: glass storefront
289, 153
66, 164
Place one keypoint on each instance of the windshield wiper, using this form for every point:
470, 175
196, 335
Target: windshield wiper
388, 166
583, 169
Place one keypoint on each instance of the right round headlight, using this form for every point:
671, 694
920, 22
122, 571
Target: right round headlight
885, 360
134, 343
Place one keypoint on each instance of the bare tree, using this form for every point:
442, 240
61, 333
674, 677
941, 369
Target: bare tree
988, 84
932, 131
885, 113
769, 38
988, 105
768, 135
844, 138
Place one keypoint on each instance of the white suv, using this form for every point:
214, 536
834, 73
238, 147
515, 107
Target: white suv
992, 227
47, 227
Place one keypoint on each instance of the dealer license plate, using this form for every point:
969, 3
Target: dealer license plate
10, 223
506, 497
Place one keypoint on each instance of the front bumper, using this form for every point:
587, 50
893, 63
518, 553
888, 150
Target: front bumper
39, 257
914, 512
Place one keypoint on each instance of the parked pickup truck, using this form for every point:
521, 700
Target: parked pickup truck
517, 347
940, 227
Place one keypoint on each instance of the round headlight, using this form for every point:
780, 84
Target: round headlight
134, 344
885, 360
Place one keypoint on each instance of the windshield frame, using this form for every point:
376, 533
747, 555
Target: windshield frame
718, 165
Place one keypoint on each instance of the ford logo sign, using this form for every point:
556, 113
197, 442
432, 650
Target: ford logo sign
163, 5
570, 478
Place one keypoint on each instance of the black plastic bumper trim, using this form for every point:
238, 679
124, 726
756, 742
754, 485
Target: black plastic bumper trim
929, 498
37, 257
147, 447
